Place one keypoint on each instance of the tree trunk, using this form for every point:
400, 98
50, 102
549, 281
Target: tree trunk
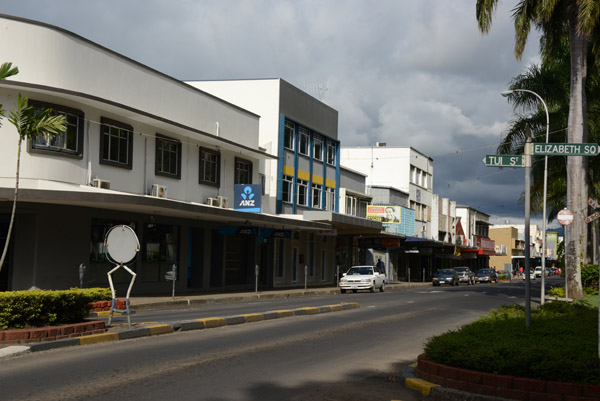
577, 173
14, 208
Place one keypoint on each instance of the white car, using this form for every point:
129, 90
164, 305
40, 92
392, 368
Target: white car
531, 274
538, 272
362, 278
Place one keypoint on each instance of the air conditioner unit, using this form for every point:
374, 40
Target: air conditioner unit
222, 201
98, 183
160, 191
212, 202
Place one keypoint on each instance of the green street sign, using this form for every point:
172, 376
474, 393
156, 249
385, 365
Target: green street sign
503, 161
566, 149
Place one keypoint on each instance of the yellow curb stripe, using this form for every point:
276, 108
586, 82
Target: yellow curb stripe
353, 304
422, 386
414, 365
211, 322
335, 308
311, 310
253, 317
283, 313
98, 338
160, 329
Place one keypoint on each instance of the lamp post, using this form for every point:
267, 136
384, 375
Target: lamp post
505, 94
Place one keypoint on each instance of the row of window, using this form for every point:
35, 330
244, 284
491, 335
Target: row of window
420, 177
304, 143
302, 194
116, 148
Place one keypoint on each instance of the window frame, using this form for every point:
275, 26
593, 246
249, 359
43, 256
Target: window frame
202, 166
236, 177
110, 123
289, 129
302, 190
177, 143
317, 193
287, 181
331, 151
57, 109
303, 141
318, 155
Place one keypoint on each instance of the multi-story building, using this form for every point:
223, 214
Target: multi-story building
144, 149
413, 174
476, 246
508, 247
304, 177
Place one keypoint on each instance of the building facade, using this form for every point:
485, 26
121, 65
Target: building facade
146, 150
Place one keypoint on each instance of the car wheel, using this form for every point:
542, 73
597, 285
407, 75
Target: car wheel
372, 289
382, 288
343, 291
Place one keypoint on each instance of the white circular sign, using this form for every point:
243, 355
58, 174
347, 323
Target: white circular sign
565, 217
121, 243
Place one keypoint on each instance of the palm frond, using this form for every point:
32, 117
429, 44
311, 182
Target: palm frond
7, 70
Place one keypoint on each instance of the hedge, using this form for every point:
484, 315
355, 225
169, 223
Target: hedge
39, 308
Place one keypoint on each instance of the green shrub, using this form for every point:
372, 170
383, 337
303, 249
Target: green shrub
560, 345
38, 308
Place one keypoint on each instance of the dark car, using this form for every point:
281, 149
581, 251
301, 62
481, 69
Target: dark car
465, 275
486, 276
445, 276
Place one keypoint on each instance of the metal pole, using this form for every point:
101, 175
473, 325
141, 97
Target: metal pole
256, 278
565, 254
543, 289
528, 153
305, 276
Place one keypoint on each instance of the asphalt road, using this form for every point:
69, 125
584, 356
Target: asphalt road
349, 355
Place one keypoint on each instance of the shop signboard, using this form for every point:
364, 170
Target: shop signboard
387, 214
246, 198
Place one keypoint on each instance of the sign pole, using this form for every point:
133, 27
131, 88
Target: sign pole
527, 228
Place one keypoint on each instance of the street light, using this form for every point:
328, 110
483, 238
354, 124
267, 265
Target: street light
505, 94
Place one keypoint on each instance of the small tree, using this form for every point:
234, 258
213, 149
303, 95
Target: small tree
29, 122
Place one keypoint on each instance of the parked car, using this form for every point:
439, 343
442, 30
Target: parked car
502, 274
550, 271
445, 276
486, 276
465, 275
531, 274
538, 272
362, 278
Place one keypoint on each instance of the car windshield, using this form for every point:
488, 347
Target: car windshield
483, 271
360, 271
446, 272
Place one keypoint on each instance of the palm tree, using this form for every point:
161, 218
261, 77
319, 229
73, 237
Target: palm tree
579, 20
6, 70
30, 123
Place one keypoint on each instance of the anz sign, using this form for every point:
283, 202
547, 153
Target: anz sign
247, 197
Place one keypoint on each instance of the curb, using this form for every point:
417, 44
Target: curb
158, 329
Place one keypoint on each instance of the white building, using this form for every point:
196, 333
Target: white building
146, 150
412, 174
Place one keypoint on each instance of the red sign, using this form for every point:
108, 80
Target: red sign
565, 217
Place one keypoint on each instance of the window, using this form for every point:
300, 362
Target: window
330, 199
243, 171
68, 142
288, 136
210, 163
286, 188
317, 190
331, 153
168, 157
116, 143
317, 148
303, 145
351, 203
302, 192
159, 251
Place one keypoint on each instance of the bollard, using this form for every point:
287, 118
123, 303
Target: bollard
305, 276
256, 270
81, 273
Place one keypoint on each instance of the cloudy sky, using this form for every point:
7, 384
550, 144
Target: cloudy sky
408, 73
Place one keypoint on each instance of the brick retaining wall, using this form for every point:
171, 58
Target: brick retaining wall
514, 388
51, 333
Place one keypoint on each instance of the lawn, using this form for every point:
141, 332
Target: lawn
561, 343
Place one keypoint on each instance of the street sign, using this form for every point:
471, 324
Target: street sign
593, 203
565, 217
566, 149
592, 217
503, 161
